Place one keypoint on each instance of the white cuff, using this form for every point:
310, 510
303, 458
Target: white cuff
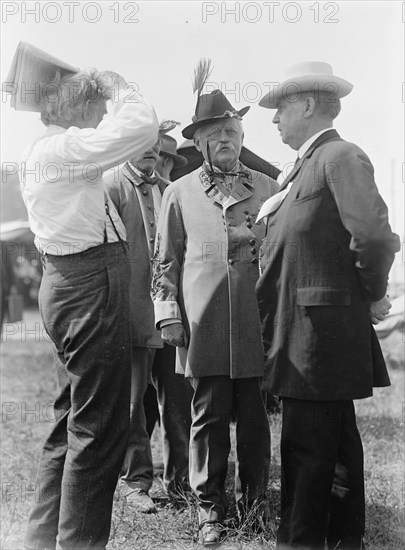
166, 309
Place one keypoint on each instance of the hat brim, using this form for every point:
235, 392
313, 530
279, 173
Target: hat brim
178, 159
333, 85
189, 131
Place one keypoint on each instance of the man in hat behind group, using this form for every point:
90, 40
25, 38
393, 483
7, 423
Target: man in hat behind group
169, 159
325, 263
205, 270
136, 190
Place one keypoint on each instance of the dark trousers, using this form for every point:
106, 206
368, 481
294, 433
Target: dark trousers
216, 401
84, 303
174, 399
322, 479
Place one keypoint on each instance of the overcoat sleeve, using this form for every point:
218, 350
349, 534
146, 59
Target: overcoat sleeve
171, 242
365, 216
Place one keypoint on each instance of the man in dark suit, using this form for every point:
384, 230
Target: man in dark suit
325, 262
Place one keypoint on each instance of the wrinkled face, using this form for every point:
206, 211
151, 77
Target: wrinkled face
290, 121
147, 162
225, 139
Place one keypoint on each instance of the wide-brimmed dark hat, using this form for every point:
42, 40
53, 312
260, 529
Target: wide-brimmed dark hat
169, 146
210, 108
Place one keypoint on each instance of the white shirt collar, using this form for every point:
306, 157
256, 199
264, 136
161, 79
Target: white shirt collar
305, 146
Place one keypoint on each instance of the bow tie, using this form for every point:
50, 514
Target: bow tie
222, 175
150, 179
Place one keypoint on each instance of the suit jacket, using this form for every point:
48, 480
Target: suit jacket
205, 271
134, 204
326, 256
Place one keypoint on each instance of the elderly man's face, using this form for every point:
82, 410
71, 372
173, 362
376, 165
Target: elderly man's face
290, 121
225, 139
147, 162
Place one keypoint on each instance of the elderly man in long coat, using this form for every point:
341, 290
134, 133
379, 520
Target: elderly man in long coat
206, 267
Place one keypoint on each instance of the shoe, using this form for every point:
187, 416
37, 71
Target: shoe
141, 501
210, 534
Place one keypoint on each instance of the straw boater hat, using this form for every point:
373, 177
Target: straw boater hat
304, 77
210, 107
169, 146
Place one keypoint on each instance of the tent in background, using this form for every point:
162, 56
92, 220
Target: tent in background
195, 159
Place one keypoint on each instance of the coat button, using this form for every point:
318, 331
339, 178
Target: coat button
248, 218
253, 250
254, 261
246, 211
152, 240
144, 192
252, 242
230, 261
152, 224
249, 225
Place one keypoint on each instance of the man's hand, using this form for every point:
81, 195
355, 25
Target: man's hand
175, 335
379, 310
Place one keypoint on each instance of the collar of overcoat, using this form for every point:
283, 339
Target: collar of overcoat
240, 190
327, 136
145, 200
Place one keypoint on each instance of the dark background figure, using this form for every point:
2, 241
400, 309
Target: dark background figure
137, 192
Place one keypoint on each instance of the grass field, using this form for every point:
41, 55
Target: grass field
28, 388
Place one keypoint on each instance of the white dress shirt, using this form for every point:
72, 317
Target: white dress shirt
61, 176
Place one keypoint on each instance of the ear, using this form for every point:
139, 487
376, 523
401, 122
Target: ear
197, 143
309, 107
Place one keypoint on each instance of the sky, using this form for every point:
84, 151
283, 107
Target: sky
157, 45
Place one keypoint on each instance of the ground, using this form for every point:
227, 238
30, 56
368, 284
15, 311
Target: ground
29, 386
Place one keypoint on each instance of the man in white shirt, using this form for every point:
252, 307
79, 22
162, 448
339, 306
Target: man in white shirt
84, 303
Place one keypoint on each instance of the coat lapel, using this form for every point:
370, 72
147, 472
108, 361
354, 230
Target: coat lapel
240, 191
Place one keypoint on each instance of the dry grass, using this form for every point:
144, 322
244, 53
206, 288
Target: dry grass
28, 384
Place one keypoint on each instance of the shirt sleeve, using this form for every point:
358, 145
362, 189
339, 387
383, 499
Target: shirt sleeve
128, 130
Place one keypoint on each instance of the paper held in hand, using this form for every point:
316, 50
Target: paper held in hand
31, 70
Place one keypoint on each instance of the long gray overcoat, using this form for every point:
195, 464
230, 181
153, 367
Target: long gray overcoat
205, 271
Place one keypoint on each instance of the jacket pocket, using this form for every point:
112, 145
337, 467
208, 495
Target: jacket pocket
323, 296
305, 198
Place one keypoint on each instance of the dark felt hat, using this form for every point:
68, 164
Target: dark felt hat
210, 108
169, 146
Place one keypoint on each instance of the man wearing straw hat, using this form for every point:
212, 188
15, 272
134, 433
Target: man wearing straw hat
325, 263
136, 190
205, 271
